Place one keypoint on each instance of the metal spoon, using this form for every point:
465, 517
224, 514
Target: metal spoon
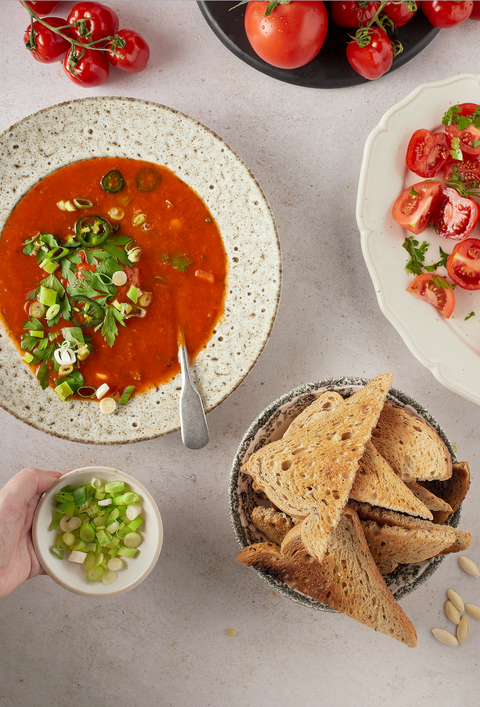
193, 422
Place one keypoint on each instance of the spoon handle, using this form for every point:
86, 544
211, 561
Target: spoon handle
192, 415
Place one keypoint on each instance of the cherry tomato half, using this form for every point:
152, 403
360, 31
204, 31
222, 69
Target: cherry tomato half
47, 46
427, 153
467, 169
463, 265
455, 216
428, 288
447, 13
97, 21
291, 36
86, 67
373, 60
400, 14
353, 14
415, 207
41, 7
133, 55
469, 135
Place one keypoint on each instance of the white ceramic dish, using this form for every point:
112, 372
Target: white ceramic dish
72, 576
269, 426
449, 348
126, 127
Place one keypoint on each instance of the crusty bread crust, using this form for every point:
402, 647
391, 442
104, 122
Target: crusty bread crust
453, 491
405, 546
273, 524
347, 578
462, 542
432, 502
411, 447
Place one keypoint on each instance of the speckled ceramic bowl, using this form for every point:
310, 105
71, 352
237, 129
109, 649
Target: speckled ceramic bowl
126, 127
269, 427
71, 575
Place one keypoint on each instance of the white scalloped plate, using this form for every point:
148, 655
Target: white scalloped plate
127, 127
450, 349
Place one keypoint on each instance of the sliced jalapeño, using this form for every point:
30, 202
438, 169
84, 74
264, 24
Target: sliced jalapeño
112, 182
92, 231
86, 312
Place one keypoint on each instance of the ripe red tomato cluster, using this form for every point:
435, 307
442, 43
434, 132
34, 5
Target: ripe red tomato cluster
449, 208
292, 34
91, 24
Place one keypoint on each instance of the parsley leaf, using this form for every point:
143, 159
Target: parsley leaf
34, 324
413, 192
469, 316
109, 327
440, 282
416, 253
442, 263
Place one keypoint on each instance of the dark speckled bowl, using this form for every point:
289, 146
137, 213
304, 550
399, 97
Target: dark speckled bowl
270, 426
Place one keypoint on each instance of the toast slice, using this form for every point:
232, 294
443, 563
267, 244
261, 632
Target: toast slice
462, 542
375, 481
411, 447
406, 546
347, 578
383, 516
432, 502
453, 491
273, 524
310, 476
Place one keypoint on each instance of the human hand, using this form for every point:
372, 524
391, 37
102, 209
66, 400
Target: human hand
18, 500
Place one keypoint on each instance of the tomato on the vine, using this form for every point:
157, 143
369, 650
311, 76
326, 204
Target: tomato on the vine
436, 290
400, 14
463, 265
415, 207
86, 67
374, 59
96, 21
456, 216
290, 36
353, 14
447, 13
427, 153
44, 45
463, 122
130, 52
42, 7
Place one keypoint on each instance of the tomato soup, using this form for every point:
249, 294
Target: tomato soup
104, 262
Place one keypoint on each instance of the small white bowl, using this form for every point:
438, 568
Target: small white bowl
71, 575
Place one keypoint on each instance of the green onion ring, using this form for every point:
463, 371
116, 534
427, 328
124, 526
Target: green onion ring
83, 203
86, 395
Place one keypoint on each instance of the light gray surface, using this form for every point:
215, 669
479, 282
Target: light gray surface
165, 643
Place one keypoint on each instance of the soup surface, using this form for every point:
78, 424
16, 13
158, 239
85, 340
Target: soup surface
160, 235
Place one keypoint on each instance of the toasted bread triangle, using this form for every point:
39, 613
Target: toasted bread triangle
311, 475
346, 579
375, 481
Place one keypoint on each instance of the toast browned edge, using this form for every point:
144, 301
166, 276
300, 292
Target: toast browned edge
432, 502
463, 540
406, 546
272, 523
452, 490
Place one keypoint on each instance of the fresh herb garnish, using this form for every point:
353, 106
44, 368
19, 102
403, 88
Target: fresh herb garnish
413, 192
440, 282
469, 316
456, 151
453, 116
416, 264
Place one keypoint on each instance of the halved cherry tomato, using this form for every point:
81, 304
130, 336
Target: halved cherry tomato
428, 288
468, 169
129, 52
400, 14
463, 265
415, 207
374, 59
96, 21
427, 153
353, 14
41, 7
447, 13
469, 135
47, 46
291, 36
455, 216
86, 67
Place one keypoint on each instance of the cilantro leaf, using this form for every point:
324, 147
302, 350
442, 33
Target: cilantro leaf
34, 324
181, 262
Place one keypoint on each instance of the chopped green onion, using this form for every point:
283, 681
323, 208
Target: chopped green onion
80, 496
126, 395
132, 540
133, 293
83, 203
37, 334
57, 552
95, 574
63, 391
87, 532
89, 561
115, 487
109, 577
79, 545
129, 498
127, 552
135, 523
28, 358
57, 253
52, 311
69, 539
49, 266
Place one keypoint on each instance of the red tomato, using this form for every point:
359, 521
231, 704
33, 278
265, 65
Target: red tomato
373, 60
455, 216
476, 11
41, 7
415, 206
96, 21
133, 55
463, 265
468, 169
447, 13
353, 14
86, 67
400, 14
291, 36
427, 153
428, 287
47, 46
469, 135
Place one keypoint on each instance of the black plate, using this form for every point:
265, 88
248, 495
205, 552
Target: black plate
330, 68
